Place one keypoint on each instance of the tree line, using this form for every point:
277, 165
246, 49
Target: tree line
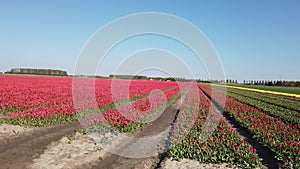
50, 72
273, 83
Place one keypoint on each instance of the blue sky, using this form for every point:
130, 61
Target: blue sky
254, 39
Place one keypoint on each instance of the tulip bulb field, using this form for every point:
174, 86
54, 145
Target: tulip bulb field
128, 107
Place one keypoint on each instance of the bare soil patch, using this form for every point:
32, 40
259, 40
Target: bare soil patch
69, 152
19, 152
162, 123
9, 131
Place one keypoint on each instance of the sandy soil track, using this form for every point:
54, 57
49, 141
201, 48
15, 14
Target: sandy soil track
162, 123
18, 151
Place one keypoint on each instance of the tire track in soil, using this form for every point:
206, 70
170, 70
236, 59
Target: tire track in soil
20, 151
165, 121
267, 156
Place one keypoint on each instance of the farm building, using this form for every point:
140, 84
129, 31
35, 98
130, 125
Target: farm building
128, 76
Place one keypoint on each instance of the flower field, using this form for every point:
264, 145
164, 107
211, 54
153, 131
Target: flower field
270, 126
43, 101
274, 91
198, 132
282, 107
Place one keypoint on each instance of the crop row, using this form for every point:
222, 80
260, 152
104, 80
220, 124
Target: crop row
269, 98
290, 116
128, 117
277, 100
200, 133
267, 90
276, 111
282, 138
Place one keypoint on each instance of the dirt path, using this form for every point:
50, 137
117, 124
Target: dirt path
162, 123
19, 151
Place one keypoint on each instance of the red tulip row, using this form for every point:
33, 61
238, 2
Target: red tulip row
281, 137
200, 133
130, 116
